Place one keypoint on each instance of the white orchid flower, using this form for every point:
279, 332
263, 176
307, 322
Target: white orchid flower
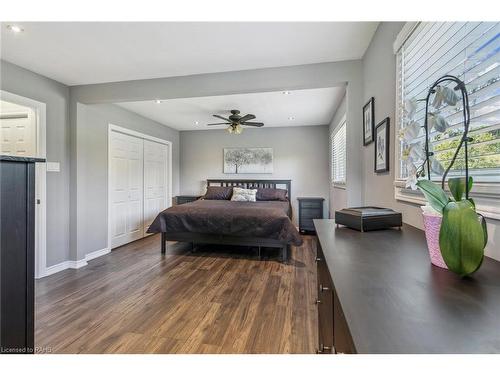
436, 166
444, 95
417, 151
438, 97
411, 180
411, 131
437, 122
405, 154
410, 107
450, 97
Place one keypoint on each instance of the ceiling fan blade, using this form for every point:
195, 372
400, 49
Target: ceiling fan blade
258, 124
246, 118
219, 123
222, 118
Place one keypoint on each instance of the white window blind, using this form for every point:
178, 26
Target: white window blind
470, 51
338, 155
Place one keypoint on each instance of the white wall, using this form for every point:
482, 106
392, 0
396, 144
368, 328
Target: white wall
300, 154
379, 71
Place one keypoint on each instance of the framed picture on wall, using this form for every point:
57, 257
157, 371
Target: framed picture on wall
382, 146
368, 121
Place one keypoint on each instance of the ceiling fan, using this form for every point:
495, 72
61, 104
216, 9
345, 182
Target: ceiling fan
235, 122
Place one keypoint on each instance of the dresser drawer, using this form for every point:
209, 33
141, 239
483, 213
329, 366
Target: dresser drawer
311, 204
311, 213
306, 224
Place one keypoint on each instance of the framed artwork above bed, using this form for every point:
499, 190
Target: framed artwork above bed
248, 160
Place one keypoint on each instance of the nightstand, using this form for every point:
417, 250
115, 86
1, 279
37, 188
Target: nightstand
309, 208
181, 199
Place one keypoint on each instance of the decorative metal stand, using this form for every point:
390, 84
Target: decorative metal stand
460, 85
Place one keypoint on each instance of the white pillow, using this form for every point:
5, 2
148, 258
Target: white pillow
244, 195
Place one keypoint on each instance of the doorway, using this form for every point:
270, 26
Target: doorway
23, 133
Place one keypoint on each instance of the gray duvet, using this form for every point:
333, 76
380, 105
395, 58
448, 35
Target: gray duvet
263, 219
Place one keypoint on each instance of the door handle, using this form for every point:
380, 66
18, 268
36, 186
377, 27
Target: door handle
318, 301
324, 349
322, 288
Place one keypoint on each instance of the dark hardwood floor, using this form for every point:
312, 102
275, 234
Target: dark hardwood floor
216, 300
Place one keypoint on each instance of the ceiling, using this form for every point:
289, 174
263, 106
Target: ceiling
77, 53
305, 107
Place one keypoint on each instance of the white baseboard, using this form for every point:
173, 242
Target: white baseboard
74, 264
55, 269
97, 253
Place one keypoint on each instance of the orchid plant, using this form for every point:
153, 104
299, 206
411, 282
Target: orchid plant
463, 235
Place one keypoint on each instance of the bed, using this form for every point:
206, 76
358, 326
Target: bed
257, 224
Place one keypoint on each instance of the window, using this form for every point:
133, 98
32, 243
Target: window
470, 51
338, 154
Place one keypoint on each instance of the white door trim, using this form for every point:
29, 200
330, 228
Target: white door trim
119, 129
40, 109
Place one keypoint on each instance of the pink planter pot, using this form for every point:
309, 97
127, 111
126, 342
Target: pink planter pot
432, 225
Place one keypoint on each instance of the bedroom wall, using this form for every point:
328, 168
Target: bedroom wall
92, 190
300, 154
297, 77
55, 95
379, 71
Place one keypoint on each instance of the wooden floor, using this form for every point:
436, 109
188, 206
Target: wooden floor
216, 300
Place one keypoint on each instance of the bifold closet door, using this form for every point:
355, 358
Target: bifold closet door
155, 180
127, 188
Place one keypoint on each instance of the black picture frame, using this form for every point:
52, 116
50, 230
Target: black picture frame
382, 134
369, 108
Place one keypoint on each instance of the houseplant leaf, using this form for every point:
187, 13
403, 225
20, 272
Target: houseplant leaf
457, 187
485, 229
434, 194
469, 185
461, 238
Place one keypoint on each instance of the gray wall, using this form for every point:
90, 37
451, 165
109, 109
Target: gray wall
379, 70
92, 175
56, 97
300, 154
258, 80
338, 196
78, 142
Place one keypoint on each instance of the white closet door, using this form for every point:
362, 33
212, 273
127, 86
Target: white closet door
126, 169
18, 134
155, 180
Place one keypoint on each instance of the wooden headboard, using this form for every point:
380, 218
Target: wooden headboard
253, 184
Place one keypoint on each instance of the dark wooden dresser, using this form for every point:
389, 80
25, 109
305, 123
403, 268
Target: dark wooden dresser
379, 293
310, 208
17, 258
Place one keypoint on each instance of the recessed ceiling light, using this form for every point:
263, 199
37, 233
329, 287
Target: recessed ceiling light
196, 122
291, 118
158, 101
286, 92
15, 28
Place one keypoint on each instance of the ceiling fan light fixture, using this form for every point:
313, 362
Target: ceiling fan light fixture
238, 129
230, 129
15, 28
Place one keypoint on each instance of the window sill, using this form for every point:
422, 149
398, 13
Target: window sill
339, 186
485, 195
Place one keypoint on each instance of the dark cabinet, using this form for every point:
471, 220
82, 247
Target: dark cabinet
333, 331
309, 209
324, 302
181, 199
17, 256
